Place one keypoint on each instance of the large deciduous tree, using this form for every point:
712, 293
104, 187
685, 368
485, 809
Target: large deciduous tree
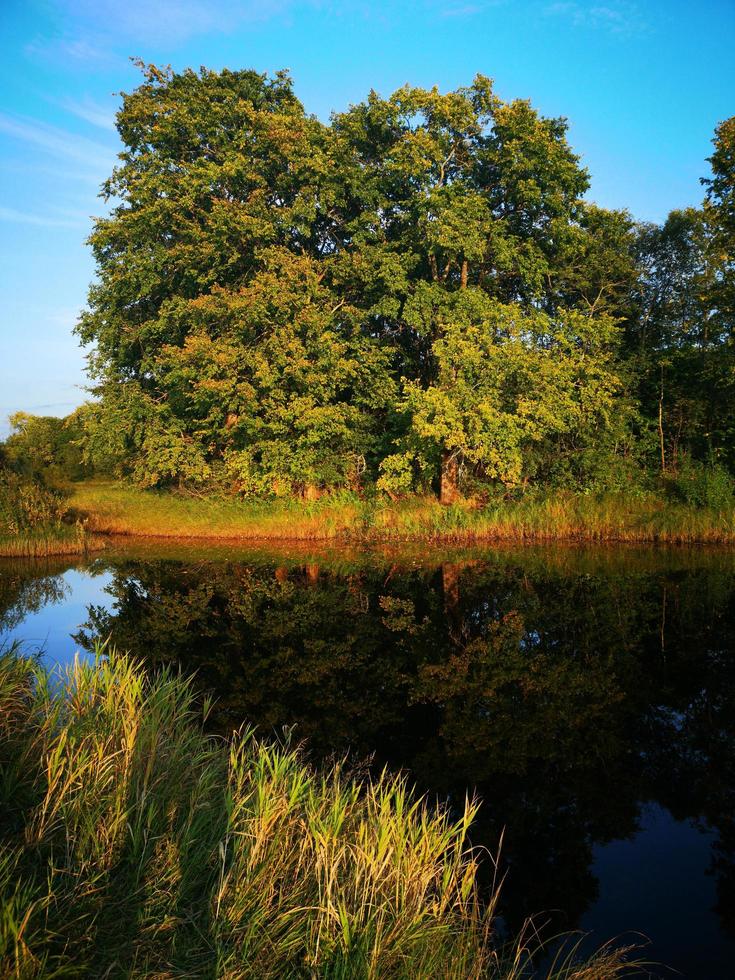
472, 238
221, 351
416, 292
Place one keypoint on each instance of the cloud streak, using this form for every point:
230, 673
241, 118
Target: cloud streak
619, 17
102, 116
86, 38
58, 142
461, 10
15, 216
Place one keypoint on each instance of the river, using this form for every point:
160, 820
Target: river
586, 694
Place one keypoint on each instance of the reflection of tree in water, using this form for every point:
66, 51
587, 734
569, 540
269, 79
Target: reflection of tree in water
566, 696
25, 588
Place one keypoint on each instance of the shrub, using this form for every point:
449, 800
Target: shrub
704, 485
26, 505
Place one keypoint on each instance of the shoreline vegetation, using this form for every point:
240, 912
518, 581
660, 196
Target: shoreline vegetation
114, 509
135, 843
81, 519
35, 521
47, 542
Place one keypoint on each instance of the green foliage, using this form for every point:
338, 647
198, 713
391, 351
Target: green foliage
46, 447
127, 431
704, 485
719, 214
508, 380
415, 293
681, 342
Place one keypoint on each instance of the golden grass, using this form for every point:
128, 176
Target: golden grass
44, 542
110, 508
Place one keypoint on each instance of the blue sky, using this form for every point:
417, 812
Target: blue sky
642, 84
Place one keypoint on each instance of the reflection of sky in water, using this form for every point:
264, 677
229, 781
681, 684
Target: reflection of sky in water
657, 883
50, 629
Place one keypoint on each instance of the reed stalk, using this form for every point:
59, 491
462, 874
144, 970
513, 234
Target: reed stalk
132, 844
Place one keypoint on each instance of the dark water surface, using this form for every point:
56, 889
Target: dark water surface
588, 695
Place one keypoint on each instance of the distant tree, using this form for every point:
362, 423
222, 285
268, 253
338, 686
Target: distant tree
681, 342
719, 212
45, 447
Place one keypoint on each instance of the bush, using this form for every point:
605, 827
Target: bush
26, 505
704, 485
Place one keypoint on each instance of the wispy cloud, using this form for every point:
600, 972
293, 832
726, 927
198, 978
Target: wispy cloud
38, 408
92, 112
58, 142
90, 31
62, 172
84, 52
620, 17
57, 219
460, 10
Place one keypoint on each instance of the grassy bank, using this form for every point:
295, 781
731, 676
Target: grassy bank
116, 509
134, 845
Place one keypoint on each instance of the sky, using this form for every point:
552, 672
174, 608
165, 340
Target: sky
642, 84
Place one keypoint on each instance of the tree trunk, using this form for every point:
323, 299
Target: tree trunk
463, 275
450, 586
449, 487
661, 423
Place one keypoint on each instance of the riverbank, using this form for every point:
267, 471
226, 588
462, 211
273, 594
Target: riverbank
112, 508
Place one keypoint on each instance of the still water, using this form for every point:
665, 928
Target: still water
587, 695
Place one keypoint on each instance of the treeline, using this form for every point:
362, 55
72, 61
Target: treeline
415, 296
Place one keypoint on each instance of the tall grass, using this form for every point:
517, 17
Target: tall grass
115, 509
131, 844
44, 542
33, 520
111, 508
565, 516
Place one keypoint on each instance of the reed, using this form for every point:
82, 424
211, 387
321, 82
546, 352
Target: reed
34, 520
115, 509
44, 542
132, 844
561, 516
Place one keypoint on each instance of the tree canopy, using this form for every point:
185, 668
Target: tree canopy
414, 295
